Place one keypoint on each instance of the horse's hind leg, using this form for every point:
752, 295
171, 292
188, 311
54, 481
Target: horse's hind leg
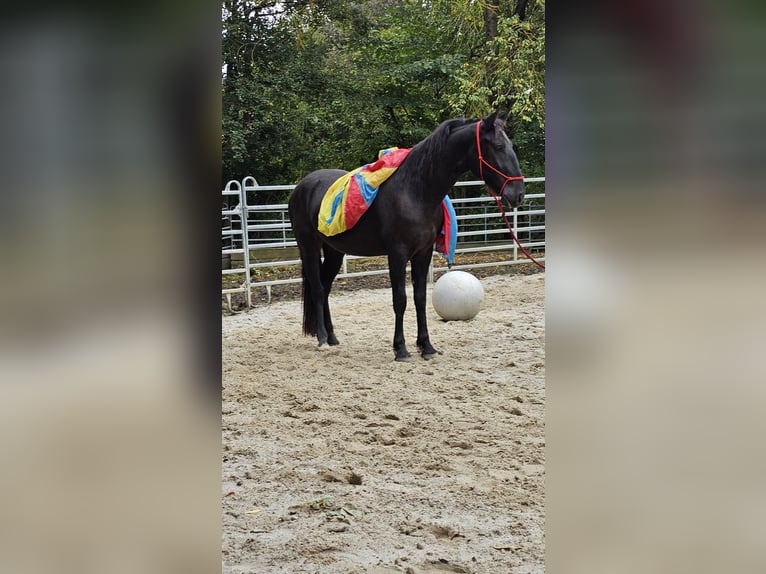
420, 264
397, 271
333, 259
314, 298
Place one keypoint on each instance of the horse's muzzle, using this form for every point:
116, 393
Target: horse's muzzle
513, 195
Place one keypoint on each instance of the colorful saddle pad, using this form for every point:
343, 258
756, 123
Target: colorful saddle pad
351, 194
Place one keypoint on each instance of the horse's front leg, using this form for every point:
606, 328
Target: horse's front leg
420, 264
397, 268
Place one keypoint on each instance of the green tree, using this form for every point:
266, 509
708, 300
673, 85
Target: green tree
327, 83
509, 69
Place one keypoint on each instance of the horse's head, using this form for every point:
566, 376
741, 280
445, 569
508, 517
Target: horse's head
497, 162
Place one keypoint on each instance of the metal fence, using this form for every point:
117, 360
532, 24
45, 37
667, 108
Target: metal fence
257, 236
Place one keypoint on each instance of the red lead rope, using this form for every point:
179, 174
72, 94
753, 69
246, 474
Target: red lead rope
510, 228
483, 162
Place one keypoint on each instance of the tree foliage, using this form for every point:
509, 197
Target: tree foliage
326, 83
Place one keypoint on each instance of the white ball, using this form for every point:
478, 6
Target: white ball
457, 296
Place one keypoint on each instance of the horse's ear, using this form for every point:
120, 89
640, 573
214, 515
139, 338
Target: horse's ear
488, 124
496, 120
502, 116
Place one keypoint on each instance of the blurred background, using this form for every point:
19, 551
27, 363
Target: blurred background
655, 275
109, 407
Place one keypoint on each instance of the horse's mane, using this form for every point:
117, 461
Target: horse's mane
425, 155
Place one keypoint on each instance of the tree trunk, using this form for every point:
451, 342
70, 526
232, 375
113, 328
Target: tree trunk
490, 22
490, 33
521, 9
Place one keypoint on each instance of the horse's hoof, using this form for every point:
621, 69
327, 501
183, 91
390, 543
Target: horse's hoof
323, 347
427, 351
332, 340
404, 359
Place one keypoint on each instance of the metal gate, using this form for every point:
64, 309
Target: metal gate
250, 227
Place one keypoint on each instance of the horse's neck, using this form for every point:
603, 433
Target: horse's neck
447, 166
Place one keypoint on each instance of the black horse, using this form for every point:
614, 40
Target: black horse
403, 221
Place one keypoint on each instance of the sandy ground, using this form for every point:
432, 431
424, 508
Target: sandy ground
345, 461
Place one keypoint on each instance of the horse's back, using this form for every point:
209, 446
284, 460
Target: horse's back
306, 198
316, 183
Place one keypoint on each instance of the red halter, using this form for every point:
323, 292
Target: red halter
508, 178
483, 162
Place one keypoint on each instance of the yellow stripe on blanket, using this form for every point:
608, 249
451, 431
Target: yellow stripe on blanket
350, 195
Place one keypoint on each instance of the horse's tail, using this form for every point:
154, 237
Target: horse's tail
309, 309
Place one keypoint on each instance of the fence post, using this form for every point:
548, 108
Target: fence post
243, 214
486, 238
515, 227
